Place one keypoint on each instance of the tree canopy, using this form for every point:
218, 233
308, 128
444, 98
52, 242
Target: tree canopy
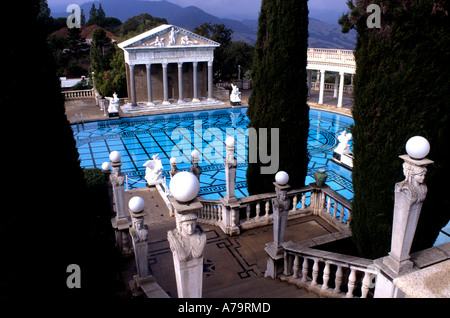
400, 90
279, 96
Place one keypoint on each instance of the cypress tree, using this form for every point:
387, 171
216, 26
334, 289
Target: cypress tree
279, 95
52, 222
400, 90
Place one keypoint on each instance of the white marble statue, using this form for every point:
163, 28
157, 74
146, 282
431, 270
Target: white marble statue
343, 147
158, 42
153, 171
185, 41
235, 96
113, 103
188, 240
173, 36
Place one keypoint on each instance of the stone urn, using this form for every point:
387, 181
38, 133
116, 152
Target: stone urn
320, 176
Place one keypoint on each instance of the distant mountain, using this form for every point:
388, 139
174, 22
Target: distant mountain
321, 34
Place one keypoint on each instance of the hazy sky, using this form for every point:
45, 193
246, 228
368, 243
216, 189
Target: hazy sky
237, 9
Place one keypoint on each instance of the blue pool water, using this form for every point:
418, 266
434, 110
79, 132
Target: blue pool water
138, 138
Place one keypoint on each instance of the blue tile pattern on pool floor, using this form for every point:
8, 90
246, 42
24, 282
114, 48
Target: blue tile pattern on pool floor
137, 139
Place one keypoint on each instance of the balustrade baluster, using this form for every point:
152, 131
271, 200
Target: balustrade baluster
248, 212
341, 214
315, 272
365, 285
267, 209
214, 212
208, 212
326, 275
305, 270
258, 209
304, 200
351, 283
296, 265
328, 205
338, 280
219, 213
335, 208
294, 203
286, 265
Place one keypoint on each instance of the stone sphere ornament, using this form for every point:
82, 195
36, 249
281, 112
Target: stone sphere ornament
106, 166
417, 147
282, 178
115, 156
184, 186
230, 141
136, 204
195, 154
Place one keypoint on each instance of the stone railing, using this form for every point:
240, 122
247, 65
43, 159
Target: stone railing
331, 55
256, 210
86, 93
328, 274
329, 87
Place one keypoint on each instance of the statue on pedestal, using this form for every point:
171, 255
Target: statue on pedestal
343, 146
188, 240
153, 171
413, 184
235, 96
139, 231
113, 108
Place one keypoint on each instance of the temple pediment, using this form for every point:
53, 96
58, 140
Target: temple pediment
168, 36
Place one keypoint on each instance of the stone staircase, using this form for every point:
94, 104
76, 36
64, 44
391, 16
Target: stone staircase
258, 287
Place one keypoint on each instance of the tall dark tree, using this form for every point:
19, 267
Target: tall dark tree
400, 90
279, 95
51, 223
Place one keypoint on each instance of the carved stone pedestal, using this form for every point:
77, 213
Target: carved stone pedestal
187, 243
281, 206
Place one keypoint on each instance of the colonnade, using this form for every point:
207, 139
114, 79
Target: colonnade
338, 85
165, 82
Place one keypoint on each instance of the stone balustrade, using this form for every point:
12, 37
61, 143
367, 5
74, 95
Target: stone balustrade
331, 55
256, 210
329, 87
328, 274
86, 93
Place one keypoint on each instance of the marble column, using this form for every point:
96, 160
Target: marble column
322, 86
341, 89
165, 85
336, 84
180, 83
195, 98
210, 80
149, 85
132, 86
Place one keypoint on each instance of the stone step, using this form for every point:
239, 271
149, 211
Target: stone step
259, 287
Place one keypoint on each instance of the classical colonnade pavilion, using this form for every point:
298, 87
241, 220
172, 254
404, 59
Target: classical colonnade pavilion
170, 63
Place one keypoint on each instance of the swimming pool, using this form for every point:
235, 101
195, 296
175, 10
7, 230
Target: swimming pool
138, 138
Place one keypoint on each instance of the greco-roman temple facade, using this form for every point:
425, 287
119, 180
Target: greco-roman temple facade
169, 63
